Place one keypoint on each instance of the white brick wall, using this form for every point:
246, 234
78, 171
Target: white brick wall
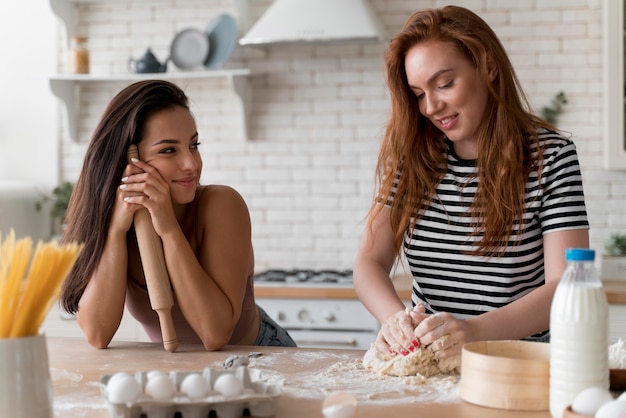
318, 113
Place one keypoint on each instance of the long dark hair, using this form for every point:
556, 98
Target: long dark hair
413, 146
91, 205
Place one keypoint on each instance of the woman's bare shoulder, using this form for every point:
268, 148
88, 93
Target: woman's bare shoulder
221, 199
218, 194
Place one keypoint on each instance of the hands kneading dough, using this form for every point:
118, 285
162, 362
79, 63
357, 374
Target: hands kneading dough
422, 361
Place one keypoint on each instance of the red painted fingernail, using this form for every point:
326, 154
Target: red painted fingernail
415, 343
404, 352
391, 351
411, 349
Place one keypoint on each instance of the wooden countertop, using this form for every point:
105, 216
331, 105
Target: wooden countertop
307, 376
402, 284
615, 291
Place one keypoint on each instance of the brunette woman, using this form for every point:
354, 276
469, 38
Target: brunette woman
205, 230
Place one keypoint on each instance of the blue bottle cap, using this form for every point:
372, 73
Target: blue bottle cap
579, 254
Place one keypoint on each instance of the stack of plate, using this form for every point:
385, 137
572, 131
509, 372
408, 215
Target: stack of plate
223, 34
189, 49
192, 48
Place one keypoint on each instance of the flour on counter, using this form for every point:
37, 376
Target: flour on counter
345, 373
617, 355
88, 401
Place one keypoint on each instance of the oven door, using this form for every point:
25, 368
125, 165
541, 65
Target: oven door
324, 323
354, 340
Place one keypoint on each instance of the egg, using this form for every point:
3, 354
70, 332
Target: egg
339, 405
154, 373
588, 401
228, 385
160, 388
116, 376
612, 409
195, 386
123, 389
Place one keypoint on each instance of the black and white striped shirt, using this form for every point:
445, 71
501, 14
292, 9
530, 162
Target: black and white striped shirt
447, 277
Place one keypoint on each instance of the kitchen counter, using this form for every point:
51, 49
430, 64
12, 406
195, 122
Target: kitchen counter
615, 291
307, 376
402, 284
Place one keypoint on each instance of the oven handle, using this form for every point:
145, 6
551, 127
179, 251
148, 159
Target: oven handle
349, 343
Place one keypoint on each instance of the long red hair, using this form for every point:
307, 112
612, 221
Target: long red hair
414, 148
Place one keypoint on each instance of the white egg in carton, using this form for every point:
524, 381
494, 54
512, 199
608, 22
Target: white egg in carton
221, 393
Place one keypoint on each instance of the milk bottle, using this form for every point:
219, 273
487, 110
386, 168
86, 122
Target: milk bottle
578, 332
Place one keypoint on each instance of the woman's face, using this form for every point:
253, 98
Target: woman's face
450, 92
170, 144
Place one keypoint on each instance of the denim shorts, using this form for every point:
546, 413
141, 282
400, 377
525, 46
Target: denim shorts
272, 334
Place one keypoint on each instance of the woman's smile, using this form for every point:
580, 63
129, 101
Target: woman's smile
448, 122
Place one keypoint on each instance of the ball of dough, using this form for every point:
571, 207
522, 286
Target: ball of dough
160, 388
195, 386
228, 385
422, 361
123, 388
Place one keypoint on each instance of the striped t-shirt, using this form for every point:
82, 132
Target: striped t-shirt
447, 277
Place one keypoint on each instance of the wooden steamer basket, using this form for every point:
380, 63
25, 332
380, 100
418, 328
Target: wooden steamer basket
506, 374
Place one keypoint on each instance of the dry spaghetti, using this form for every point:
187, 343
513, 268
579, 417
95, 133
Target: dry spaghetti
30, 282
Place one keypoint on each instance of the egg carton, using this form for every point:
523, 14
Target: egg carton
257, 399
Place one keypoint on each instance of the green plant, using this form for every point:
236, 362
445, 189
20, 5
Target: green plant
615, 245
58, 201
551, 113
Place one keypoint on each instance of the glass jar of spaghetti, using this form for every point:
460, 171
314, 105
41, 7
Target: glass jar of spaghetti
78, 55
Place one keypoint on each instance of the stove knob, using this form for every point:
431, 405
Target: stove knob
280, 316
330, 317
303, 315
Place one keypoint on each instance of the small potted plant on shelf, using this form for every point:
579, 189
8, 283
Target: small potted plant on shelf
613, 263
57, 203
552, 111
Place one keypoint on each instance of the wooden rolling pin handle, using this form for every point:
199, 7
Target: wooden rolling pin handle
155, 270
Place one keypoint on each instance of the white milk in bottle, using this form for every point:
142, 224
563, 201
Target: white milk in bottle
578, 332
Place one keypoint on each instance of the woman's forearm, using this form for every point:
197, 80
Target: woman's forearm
375, 290
206, 307
101, 307
526, 316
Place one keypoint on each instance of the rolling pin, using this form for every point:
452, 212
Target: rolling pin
155, 270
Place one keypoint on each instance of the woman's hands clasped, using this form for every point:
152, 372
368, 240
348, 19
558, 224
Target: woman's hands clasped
412, 328
143, 186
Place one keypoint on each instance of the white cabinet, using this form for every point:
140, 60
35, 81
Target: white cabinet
614, 87
67, 86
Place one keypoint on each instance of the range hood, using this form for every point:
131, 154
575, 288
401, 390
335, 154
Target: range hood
315, 21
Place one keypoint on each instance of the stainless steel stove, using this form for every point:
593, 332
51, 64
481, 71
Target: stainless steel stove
317, 307
305, 277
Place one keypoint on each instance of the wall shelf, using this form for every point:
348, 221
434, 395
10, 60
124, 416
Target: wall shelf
67, 88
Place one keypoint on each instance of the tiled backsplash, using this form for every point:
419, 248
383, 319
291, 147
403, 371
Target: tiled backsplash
318, 113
